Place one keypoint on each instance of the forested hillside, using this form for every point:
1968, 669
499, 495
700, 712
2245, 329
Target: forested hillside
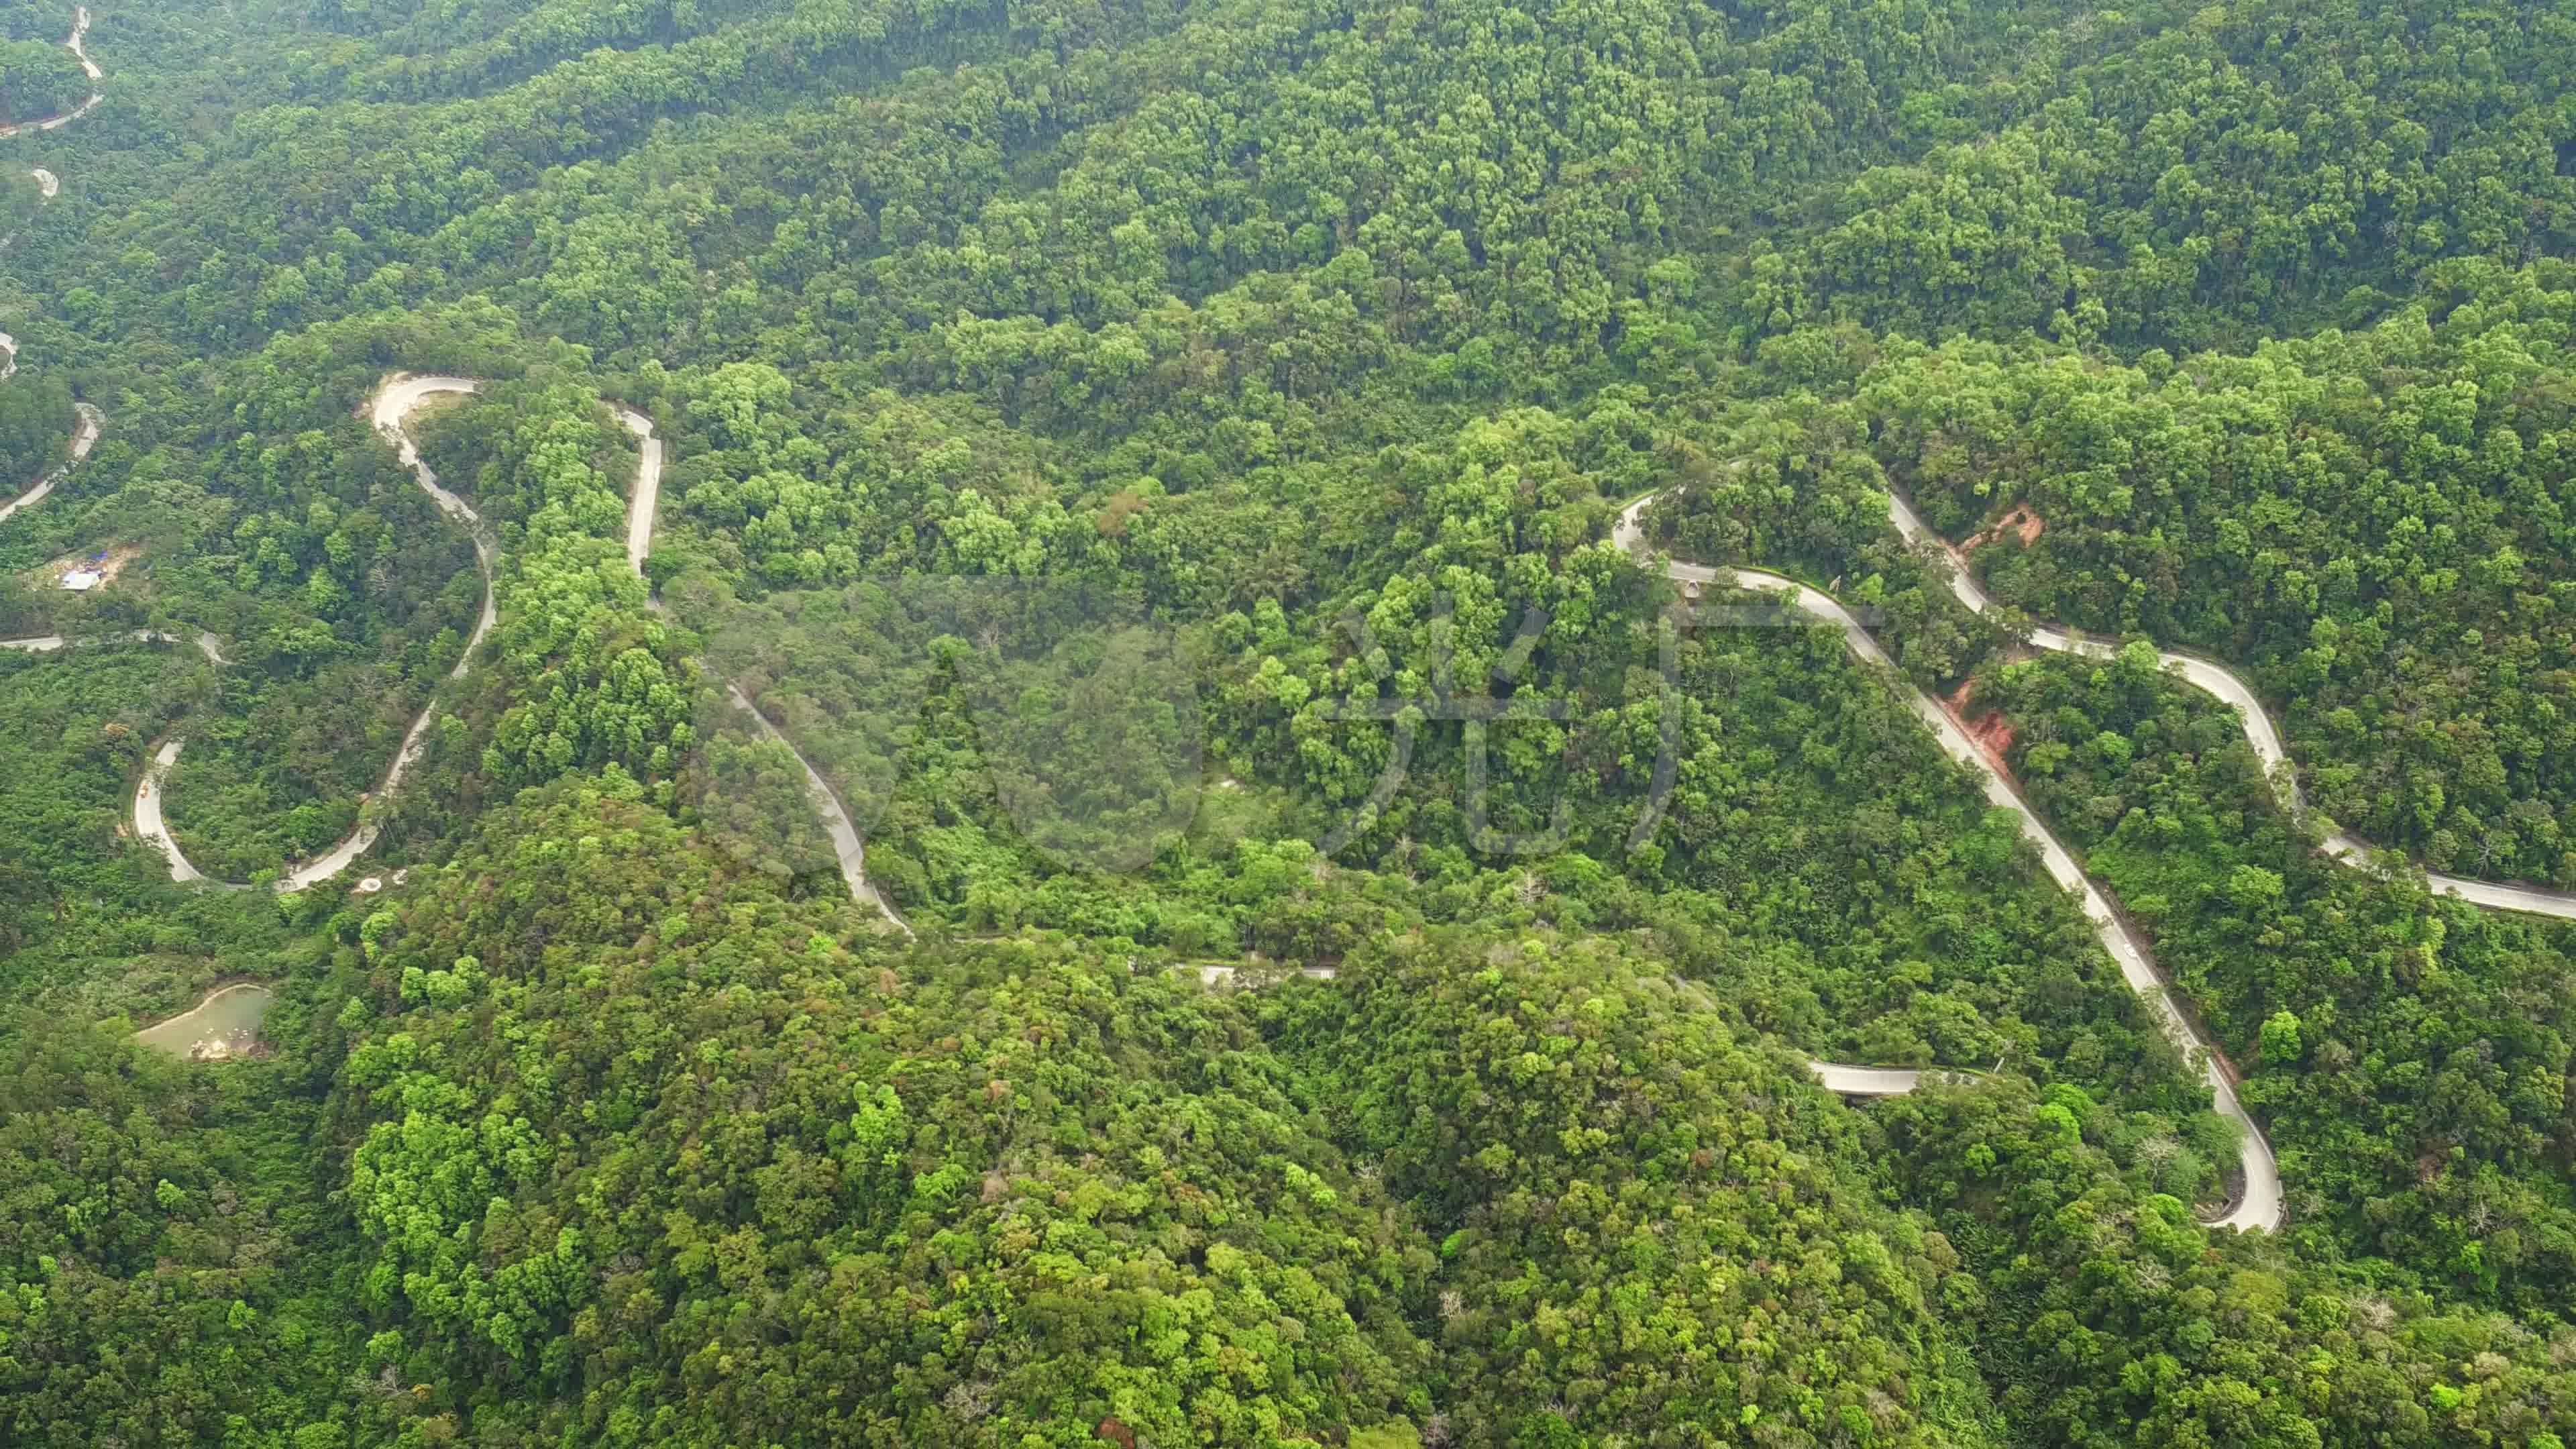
1052, 744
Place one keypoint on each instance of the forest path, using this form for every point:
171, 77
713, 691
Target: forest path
2260, 1202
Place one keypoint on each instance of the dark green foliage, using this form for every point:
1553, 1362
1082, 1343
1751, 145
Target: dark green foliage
35, 430
724, 1173
39, 80
2362, 522
2104, 1314
150, 1289
1642, 1219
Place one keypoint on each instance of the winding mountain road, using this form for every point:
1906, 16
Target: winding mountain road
48, 185
2229, 688
2259, 1205
85, 431
87, 419
643, 510
394, 401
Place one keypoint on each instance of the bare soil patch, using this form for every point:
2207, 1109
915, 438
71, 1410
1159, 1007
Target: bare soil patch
107, 563
2020, 522
1992, 732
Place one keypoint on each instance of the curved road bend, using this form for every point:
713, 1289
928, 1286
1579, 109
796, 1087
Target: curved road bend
394, 399
84, 437
80, 30
643, 510
85, 432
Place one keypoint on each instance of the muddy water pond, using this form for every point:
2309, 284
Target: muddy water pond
223, 1026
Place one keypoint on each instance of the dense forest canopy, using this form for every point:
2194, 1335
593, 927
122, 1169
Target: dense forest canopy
1128, 854
39, 80
36, 423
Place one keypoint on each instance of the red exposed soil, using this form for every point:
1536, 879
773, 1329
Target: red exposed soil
1993, 733
2226, 1065
2024, 525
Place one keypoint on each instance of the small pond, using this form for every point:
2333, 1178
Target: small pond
223, 1026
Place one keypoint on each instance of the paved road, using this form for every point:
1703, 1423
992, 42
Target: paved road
395, 398
643, 512
207, 644
147, 811
47, 183
392, 403
644, 505
2260, 1204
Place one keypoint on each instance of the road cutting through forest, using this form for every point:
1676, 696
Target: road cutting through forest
2258, 1202
2217, 680
90, 419
394, 401
80, 32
